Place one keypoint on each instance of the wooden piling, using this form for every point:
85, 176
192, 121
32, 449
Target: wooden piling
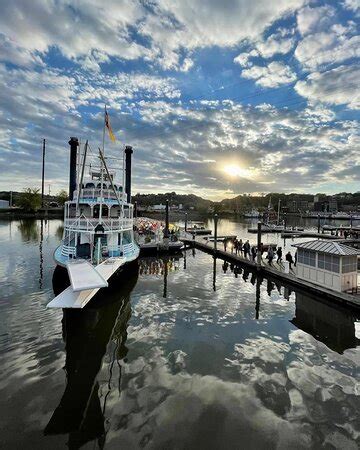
215, 232
258, 256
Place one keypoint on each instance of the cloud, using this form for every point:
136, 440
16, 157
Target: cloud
163, 28
273, 45
326, 47
273, 75
310, 20
338, 86
353, 5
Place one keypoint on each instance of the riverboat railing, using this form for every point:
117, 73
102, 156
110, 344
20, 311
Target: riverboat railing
84, 224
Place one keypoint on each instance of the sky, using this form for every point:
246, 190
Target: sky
217, 98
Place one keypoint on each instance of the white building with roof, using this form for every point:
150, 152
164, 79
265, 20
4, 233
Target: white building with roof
328, 264
4, 204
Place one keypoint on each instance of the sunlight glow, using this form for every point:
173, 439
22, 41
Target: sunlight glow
236, 171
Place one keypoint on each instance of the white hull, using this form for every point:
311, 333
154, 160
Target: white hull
74, 298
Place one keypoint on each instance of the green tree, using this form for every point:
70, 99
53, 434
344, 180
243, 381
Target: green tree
30, 199
62, 197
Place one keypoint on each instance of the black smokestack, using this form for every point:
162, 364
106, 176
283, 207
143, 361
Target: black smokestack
74, 143
128, 153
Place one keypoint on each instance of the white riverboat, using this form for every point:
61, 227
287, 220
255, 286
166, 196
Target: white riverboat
98, 238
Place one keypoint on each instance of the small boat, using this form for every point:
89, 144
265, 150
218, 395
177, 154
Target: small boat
253, 214
98, 238
196, 227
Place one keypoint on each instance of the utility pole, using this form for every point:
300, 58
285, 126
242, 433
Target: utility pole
43, 175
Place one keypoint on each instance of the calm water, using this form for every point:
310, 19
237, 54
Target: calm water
184, 355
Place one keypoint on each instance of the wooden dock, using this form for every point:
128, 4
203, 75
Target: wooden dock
275, 271
313, 234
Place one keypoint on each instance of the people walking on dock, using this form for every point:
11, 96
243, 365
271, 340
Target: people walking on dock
246, 249
289, 258
279, 255
270, 255
240, 246
253, 252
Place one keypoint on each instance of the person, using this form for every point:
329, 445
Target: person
261, 249
236, 246
279, 255
245, 249
289, 258
295, 262
270, 255
240, 246
253, 252
225, 244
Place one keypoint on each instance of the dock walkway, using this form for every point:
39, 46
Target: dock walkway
275, 270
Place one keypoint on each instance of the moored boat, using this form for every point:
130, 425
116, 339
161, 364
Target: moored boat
98, 238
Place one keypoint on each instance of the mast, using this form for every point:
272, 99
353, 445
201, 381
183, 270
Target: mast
101, 169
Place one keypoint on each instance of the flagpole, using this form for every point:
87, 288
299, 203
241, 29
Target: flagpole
101, 169
103, 142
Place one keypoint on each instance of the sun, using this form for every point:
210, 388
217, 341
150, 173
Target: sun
234, 170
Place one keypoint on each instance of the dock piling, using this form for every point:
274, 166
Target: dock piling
215, 232
258, 255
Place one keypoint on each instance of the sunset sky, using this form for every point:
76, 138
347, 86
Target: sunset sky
218, 98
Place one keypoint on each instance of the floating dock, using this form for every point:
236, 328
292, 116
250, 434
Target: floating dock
276, 271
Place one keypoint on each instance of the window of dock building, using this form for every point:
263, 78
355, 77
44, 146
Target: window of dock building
330, 263
306, 257
349, 264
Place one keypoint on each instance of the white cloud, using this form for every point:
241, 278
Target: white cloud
273, 75
170, 27
275, 45
243, 58
354, 5
326, 48
310, 20
338, 86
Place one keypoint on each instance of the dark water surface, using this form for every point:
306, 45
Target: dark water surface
184, 355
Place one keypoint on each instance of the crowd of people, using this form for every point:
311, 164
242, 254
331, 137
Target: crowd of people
251, 252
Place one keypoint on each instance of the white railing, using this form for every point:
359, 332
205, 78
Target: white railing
68, 250
128, 249
82, 224
96, 193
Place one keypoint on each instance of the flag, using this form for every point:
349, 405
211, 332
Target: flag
108, 126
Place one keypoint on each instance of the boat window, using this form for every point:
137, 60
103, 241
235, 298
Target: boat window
99, 186
89, 185
321, 260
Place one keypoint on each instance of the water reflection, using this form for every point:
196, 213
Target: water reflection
86, 333
41, 269
29, 230
329, 323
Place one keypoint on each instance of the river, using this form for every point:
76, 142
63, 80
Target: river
189, 353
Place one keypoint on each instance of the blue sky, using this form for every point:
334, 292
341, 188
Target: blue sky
217, 98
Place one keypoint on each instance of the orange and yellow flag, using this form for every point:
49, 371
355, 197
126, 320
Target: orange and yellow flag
108, 126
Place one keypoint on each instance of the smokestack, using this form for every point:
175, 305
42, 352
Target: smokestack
128, 153
74, 143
